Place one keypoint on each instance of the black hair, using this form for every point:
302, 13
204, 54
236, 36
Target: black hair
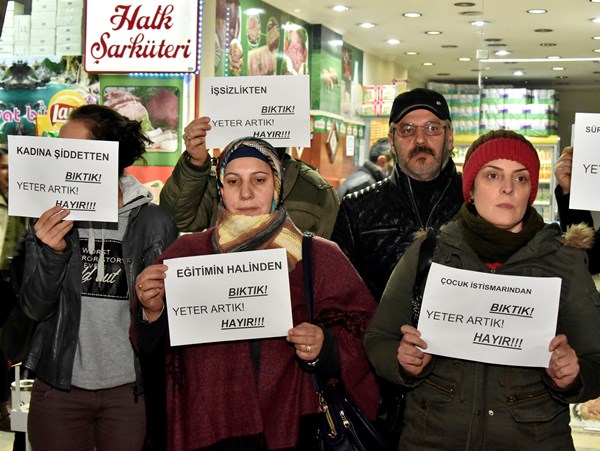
105, 124
380, 147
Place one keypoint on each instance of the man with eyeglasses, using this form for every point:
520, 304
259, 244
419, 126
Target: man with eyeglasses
376, 225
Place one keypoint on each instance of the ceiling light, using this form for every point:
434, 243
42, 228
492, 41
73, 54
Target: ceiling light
393, 41
254, 11
492, 40
596, 38
496, 44
427, 64
433, 33
537, 11
340, 8
411, 53
544, 30
412, 15
595, 20
558, 68
518, 73
464, 59
479, 23
595, 1
471, 13
469, 4
366, 25
449, 46
538, 60
443, 74
551, 44
561, 76
554, 57
502, 52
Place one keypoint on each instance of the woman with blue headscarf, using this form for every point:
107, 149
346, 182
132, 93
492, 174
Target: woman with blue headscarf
258, 394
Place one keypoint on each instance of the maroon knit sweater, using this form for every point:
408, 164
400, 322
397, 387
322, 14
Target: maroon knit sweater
213, 390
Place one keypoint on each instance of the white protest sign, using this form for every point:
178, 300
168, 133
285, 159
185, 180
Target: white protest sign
585, 175
80, 175
225, 297
492, 318
276, 109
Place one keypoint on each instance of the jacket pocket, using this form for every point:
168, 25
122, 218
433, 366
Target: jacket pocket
537, 407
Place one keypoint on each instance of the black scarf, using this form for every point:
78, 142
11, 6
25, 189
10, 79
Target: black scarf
491, 244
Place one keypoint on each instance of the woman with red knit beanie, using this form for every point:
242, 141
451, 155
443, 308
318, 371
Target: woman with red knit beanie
457, 404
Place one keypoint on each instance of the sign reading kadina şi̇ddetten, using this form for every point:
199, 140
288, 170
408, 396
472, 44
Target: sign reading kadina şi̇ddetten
141, 36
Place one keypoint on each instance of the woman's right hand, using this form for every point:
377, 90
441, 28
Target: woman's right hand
194, 137
51, 228
150, 290
410, 357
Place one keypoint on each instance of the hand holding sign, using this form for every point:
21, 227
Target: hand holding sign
308, 340
51, 228
150, 290
563, 169
410, 356
194, 137
564, 364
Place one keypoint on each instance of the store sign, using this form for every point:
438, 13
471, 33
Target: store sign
141, 36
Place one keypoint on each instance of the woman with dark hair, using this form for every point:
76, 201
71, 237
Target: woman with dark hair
77, 282
457, 404
258, 394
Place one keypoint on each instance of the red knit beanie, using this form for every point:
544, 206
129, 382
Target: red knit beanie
501, 149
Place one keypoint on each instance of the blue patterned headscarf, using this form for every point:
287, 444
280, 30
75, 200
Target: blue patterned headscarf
257, 148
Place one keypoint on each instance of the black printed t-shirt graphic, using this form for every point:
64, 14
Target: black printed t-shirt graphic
114, 283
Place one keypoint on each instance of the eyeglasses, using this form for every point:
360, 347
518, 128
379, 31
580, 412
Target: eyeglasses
430, 129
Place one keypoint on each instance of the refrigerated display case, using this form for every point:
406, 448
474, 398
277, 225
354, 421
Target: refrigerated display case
548, 151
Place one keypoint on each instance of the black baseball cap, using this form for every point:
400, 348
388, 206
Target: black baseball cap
417, 99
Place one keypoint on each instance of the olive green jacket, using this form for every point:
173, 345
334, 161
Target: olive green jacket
11, 229
465, 405
190, 194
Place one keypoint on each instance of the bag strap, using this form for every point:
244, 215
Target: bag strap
308, 292
307, 270
423, 265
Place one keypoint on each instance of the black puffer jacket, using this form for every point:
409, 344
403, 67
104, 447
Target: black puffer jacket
376, 225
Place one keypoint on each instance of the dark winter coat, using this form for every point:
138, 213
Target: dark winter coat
376, 225
465, 405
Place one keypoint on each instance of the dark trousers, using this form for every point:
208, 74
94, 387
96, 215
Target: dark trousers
104, 420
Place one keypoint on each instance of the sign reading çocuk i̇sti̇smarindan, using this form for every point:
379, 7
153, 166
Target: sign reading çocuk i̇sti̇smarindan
80, 175
492, 318
141, 36
226, 297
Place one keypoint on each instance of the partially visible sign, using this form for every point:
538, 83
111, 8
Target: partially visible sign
585, 175
141, 36
80, 175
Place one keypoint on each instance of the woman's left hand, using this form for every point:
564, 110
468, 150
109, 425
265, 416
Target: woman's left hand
564, 364
307, 339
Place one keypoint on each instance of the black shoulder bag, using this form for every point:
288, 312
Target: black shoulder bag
342, 425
